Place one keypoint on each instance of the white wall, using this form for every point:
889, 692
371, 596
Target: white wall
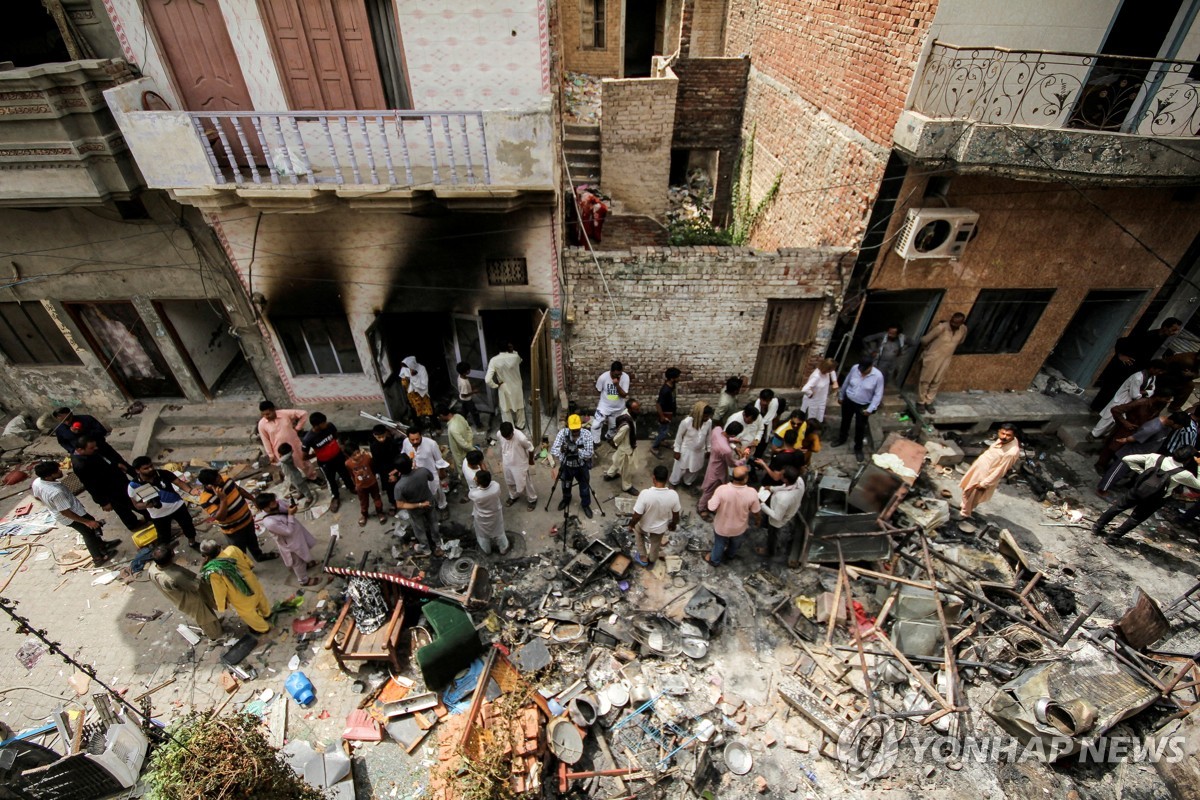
203, 332
1075, 25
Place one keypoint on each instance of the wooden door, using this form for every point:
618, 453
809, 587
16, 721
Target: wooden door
200, 54
787, 340
326, 54
118, 335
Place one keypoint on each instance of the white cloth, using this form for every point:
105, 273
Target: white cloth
611, 401
656, 507
504, 374
429, 456
58, 498
691, 444
751, 431
488, 514
465, 389
816, 394
784, 503
1128, 391
514, 457
768, 416
1140, 462
418, 376
468, 473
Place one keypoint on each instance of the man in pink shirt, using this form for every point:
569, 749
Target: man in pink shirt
734, 503
279, 426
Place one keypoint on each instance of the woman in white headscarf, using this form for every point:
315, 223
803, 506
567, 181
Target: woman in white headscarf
415, 380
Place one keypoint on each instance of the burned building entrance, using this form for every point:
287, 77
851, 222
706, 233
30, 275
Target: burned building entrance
1088, 340
911, 310
440, 341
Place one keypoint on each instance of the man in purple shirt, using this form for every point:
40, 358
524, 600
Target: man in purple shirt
861, 393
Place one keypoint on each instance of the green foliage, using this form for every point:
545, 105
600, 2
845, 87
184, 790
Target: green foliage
746, 213
222, 758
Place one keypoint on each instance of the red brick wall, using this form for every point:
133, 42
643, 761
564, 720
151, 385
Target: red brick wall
827, 85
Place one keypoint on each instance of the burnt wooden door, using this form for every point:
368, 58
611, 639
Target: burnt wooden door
787, 339
326, 54
120, 339
200, 54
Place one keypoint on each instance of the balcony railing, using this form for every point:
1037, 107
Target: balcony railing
395, 148
1088, 91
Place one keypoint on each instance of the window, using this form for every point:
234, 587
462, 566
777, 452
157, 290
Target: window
29, 336
1002, 319
507, 272
318, 345
591, 14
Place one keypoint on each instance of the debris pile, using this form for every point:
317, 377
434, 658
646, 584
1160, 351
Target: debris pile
692, 200
581, 96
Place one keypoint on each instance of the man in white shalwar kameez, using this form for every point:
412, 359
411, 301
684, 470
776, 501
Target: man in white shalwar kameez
1139, 385
425, 452
504, 375
516, 456
691, 445
488, 514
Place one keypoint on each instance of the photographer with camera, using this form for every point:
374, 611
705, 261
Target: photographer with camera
572, 449
154, 491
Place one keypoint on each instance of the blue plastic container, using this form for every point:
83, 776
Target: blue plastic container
300, 688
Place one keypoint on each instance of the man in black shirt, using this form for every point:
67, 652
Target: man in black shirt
385, 450
71, 427
1132, 352
322, 442
104, 480
666, 407
789, 456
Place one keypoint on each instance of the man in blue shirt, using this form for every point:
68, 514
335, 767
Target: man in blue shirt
861, 393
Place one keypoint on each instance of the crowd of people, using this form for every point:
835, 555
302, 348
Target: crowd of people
746, 462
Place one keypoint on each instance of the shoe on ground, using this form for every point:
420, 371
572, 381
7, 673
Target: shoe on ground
510, 502
335, 504
587, 511
930, 409
611, 477
192, 543
562, 504
637, 559
533, 505
837, 443
100, 562
859, 457
632, 490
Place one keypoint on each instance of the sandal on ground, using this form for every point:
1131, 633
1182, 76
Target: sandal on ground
362, 520
382, 518
510, 502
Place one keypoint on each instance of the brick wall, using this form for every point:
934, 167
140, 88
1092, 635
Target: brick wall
697, 308
708, 28
708, 115
606, 62
635, 142
1065, 244
827, 85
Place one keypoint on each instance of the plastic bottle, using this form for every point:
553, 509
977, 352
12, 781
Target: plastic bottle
300, 688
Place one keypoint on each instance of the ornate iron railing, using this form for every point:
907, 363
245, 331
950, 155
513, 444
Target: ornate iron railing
1145, 96
393, 148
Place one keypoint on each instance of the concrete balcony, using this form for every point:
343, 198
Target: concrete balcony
1033, 114
307, 160
59, 144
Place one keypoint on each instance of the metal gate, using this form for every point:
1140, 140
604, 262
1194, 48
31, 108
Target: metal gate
787, 339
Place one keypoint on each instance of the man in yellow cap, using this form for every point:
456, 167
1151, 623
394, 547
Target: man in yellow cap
572, 450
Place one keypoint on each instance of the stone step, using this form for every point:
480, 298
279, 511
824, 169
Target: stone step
578, 143
582, 159
575, 129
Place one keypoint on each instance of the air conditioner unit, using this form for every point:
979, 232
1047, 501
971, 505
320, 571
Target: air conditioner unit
936, 233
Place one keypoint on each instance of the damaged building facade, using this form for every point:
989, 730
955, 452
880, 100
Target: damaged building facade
112, 291
1038, 178
363, 223
253, 199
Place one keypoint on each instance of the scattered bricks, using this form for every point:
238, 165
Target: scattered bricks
760, 784
768, 739
229, 683
796, 743
944, 453
824, 601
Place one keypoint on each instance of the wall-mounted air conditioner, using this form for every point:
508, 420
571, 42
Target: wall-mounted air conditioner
936, 233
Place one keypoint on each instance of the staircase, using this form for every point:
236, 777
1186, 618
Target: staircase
581, 146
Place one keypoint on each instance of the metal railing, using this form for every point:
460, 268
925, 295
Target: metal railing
393, 148
1045, 89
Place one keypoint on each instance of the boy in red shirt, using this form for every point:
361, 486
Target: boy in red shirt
366, 485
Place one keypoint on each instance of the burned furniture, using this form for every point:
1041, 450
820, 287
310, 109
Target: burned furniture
361, 635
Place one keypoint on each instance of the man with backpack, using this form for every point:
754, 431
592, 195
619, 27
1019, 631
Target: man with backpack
1160, 476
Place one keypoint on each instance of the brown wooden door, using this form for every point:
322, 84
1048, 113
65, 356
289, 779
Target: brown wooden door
118, 335
325, 53
787, 340
198, 49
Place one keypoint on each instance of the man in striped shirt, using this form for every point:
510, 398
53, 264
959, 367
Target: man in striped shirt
229, 506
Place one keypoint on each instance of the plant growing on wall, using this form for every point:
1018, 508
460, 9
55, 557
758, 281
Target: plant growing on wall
746, 213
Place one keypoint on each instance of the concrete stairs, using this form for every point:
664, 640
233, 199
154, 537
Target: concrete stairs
581, 146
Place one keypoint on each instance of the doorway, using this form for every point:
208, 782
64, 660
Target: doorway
911, 309
1118, 79
119, 337
201, 334
641, 17
1088, 339
789, 332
